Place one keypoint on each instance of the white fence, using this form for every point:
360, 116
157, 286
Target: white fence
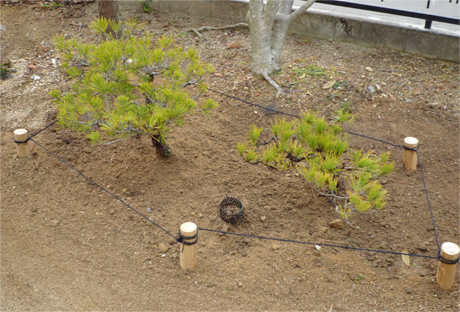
446, 8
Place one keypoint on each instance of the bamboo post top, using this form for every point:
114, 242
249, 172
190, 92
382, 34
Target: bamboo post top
20, 132
410, 142
450, 249
188, 229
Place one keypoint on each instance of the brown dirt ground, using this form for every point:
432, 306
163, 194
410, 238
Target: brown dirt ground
67, 245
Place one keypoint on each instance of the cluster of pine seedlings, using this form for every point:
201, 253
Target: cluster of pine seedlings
321, 154
129, 85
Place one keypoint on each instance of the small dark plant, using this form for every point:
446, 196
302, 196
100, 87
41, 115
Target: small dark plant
52, 5
145, 5
311, 70
4, 70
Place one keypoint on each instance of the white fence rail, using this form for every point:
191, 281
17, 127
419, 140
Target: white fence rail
446, 8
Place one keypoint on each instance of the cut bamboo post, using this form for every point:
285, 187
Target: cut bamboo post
410, 157
21, 148
188, 232
446, 271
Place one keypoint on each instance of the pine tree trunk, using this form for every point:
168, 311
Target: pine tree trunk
109, 10
162, 149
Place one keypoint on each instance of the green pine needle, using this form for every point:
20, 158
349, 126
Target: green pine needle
241, 147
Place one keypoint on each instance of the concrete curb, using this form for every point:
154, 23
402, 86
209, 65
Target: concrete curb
427, 43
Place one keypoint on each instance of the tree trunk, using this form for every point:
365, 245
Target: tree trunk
109, 10
162, 149
268, 24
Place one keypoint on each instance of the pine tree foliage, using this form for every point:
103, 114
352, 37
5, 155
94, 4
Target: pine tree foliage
321, 154
127, 86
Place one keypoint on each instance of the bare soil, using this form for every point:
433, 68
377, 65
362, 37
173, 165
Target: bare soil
68, 245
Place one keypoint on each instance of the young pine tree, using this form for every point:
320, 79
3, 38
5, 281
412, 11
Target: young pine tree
127, 86
321, 154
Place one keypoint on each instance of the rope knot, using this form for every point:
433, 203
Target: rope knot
181, 239
446, 261
412, 148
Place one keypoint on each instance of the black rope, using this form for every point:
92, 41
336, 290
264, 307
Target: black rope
30, 137
368, 137
319, 244
400, 146
429, 204
181, 239
117, 198
264, 107
18, 142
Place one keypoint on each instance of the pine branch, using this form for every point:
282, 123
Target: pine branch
328, 195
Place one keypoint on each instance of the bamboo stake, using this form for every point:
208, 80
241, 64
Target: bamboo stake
410, 157
21, 148
188, 252
446, 272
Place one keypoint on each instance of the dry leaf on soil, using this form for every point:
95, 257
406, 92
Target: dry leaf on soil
405, 258
329, 84
234, 45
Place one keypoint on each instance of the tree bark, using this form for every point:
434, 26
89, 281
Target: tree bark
109, 10
269, 24
162, 149
261, 20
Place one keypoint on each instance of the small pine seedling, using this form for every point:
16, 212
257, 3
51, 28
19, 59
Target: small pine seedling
324, 159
